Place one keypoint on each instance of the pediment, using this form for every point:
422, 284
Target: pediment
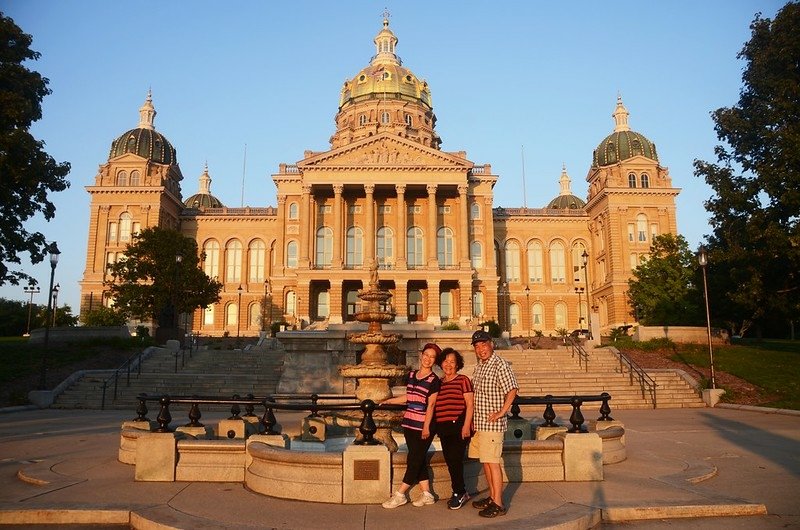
127, 157
383, 151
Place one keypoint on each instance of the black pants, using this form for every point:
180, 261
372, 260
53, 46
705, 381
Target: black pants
416, 461
453, 447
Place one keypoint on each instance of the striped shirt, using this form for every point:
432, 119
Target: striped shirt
417, 393
450, 404
493, 380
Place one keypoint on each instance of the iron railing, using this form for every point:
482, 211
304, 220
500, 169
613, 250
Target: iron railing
646, 383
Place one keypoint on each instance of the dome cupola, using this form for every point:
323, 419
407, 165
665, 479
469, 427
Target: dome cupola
623, 143
144, 140
565, 199
204, 199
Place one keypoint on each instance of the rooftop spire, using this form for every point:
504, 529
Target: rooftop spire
205, 181
147, 113
564, 181
620, 116
385, 43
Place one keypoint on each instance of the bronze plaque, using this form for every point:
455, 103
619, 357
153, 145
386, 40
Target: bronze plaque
366, 469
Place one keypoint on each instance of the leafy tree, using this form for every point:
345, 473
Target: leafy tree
29, 174
60, 316
754, 251
663, 288
13, 317
103, 316
150, 283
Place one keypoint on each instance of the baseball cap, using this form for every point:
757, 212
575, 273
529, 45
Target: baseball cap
433, 347
480, 336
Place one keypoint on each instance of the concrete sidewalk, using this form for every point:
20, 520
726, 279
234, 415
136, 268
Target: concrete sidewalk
735, 465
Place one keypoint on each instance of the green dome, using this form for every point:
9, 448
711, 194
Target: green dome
566, 202
147, 143
622, 145
203, 200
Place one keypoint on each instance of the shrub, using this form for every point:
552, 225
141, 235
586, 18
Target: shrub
450, 326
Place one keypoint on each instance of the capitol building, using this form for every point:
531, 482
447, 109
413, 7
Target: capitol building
385, 195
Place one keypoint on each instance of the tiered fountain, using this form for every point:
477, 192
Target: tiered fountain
374, 372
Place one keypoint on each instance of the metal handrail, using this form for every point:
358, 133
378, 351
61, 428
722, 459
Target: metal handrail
115, 376
583, 356
646, 383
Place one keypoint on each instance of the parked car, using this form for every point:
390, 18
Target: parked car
579, 333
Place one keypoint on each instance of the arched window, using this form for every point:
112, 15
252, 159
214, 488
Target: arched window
512, 261
135, 178
513, 315
537, 316
258, 253
578, 249
415, 246
122, 178
324, 247
385, 246
291, 255
208, 316
558, 271
384, 117
475, 211
294, 210
233, 261
254, 320
445, 305
362, 119
231, 315
477, 303
561, 315
631, 180
323, 307
414, 306
355, 247
211, 263
125, 225
476, 254
641, 227
409, 121
535, 263
645, 180
291, 303
444, 246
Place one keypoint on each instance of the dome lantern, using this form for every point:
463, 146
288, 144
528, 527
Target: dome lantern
144, 140
566, 200
623, 143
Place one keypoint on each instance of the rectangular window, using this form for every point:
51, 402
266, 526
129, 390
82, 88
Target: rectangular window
415, 209
385, 208
444, 210
325, 208
112, 232
354, 209
631, 231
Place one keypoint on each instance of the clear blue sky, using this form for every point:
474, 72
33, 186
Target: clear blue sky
543, 75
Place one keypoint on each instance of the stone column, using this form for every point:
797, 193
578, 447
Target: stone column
432, 307
280, 247
488, 235
400, 302
400, 240
465, 301
306, 226
463, 234
335, 302
369, 225
338, 235
431, 239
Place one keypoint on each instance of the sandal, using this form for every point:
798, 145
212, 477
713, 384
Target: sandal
493, 510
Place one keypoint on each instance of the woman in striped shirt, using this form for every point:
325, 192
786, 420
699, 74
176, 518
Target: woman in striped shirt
453, 415
420, 399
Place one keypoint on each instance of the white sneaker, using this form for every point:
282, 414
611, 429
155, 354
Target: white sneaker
398, 499
426, 498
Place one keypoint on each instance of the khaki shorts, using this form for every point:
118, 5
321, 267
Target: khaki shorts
487, 447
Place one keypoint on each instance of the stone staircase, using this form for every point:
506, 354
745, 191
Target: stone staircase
557, 372
209, 373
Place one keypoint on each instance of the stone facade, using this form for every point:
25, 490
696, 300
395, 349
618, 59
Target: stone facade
385, 191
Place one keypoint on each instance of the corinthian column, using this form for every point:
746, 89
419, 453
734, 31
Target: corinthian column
338, 236
432, 216
369, 215
402, 213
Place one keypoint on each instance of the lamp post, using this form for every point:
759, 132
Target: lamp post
528, 309
31, 290
702, 259
585, 257
579, 292
239, 314
54, 253
503, 313
268, 300
55, 302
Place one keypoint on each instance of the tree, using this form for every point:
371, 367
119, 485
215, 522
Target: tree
29, 174
663, 289
103, 316
13, 317
150, 283
754, 250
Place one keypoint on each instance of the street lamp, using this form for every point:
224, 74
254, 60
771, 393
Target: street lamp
579, 292
31, 290
239, 314
503, 314
528, 309
585, 257
268, 300
55, 302
702, 259
54, 253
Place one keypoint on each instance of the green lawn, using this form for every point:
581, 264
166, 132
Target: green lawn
773, 365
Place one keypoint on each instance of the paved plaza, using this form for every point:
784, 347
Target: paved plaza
735, 463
